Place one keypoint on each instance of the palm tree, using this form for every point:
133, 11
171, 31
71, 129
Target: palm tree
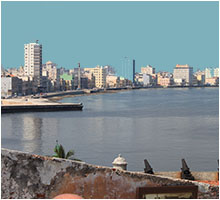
60, 152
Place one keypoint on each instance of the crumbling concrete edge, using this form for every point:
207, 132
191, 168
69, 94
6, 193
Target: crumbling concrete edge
26, 175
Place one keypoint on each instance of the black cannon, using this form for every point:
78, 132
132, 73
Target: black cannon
185, 172
148, 169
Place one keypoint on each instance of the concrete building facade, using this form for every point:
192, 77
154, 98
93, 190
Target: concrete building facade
216, 72
148, 70
147, 79
51, 68
208, 73
201, 79
33, 59
10, 85
183, 74
143, 79
91, 79
33, 62
112, 81
164, 79
51, 71
67, 82
212, 81
100, 76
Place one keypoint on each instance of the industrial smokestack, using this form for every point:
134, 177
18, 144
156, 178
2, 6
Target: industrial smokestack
133, 72
79, 78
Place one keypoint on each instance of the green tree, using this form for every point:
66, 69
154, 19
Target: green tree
60, 152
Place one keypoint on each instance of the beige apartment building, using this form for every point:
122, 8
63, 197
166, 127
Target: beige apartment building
212, 81
112, 81
199, 77
183, 74
164, 79
50, 70
148, 70
100, 76
216, 72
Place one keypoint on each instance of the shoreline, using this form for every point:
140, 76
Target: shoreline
56, 96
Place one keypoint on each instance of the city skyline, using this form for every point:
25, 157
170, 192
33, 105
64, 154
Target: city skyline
106, 33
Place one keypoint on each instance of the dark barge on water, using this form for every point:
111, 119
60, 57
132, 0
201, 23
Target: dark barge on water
41, 107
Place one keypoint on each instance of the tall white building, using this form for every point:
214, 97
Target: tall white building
33, 62
208, 73
216, 72
183, 74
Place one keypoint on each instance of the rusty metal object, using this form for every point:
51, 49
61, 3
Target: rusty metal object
186, 174
148, 169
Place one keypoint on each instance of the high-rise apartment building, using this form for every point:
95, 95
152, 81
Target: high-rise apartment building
33, 62
100, 76
208, 73
183, 74
216, 72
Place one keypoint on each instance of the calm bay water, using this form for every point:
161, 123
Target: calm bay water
161, 125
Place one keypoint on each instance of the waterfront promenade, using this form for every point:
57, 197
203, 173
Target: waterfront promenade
36, 105
109, 90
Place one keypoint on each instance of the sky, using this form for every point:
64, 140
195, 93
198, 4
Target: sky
160, 34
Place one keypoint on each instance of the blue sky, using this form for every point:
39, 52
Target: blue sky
161, 34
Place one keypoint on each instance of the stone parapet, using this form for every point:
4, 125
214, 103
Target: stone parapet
32, 176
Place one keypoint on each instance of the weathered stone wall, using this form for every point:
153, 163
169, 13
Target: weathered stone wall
31, 176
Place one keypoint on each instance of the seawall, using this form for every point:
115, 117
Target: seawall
36, 105
41, 108
111, 90
26, 175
